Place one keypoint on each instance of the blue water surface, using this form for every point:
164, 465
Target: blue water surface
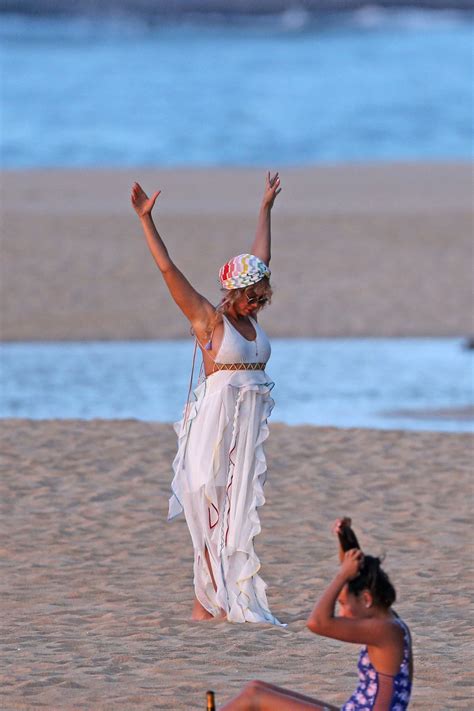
285, 90
380, 383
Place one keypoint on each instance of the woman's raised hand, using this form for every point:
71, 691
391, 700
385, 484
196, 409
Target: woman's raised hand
352, 563
272, 188
339, 524
142, 204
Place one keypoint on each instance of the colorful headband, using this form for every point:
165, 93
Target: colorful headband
242, 271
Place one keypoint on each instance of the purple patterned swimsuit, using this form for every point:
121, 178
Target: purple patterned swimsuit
376, 690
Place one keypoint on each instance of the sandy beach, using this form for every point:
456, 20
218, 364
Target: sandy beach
373, 250
96, 585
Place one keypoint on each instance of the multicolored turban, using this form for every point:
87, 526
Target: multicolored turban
242, 271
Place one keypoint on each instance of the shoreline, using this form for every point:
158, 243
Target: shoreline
461, 337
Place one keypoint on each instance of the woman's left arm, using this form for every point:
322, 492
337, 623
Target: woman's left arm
323, 620
262, 242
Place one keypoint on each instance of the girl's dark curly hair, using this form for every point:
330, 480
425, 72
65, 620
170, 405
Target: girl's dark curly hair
375, 580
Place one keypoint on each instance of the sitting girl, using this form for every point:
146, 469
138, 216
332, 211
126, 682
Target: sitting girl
365, 596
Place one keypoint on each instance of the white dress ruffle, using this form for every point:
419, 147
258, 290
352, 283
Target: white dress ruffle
219, 473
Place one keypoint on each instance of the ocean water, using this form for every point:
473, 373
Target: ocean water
286, 89
410, 384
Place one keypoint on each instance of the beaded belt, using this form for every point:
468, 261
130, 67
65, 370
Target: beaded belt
239, 366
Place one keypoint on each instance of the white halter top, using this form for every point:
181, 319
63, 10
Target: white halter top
235, 348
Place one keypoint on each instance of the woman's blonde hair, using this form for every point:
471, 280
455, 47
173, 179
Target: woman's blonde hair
230, 296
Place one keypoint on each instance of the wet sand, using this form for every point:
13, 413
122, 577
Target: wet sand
372, 250
96, 586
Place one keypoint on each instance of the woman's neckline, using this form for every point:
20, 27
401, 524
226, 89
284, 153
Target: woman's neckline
252, 321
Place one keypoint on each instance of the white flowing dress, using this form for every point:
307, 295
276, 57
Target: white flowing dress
219, 473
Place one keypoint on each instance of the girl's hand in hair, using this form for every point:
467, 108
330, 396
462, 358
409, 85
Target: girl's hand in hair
339, 524
272, 188
352, 563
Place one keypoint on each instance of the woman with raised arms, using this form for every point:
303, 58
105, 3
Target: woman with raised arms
220, 466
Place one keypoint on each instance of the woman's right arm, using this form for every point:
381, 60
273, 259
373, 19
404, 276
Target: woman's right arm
195, 307
324, 621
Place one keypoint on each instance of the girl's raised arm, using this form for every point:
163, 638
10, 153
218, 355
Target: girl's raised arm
323, 621
195, 307
262, 243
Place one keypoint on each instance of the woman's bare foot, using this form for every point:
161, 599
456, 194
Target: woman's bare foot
200, 613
